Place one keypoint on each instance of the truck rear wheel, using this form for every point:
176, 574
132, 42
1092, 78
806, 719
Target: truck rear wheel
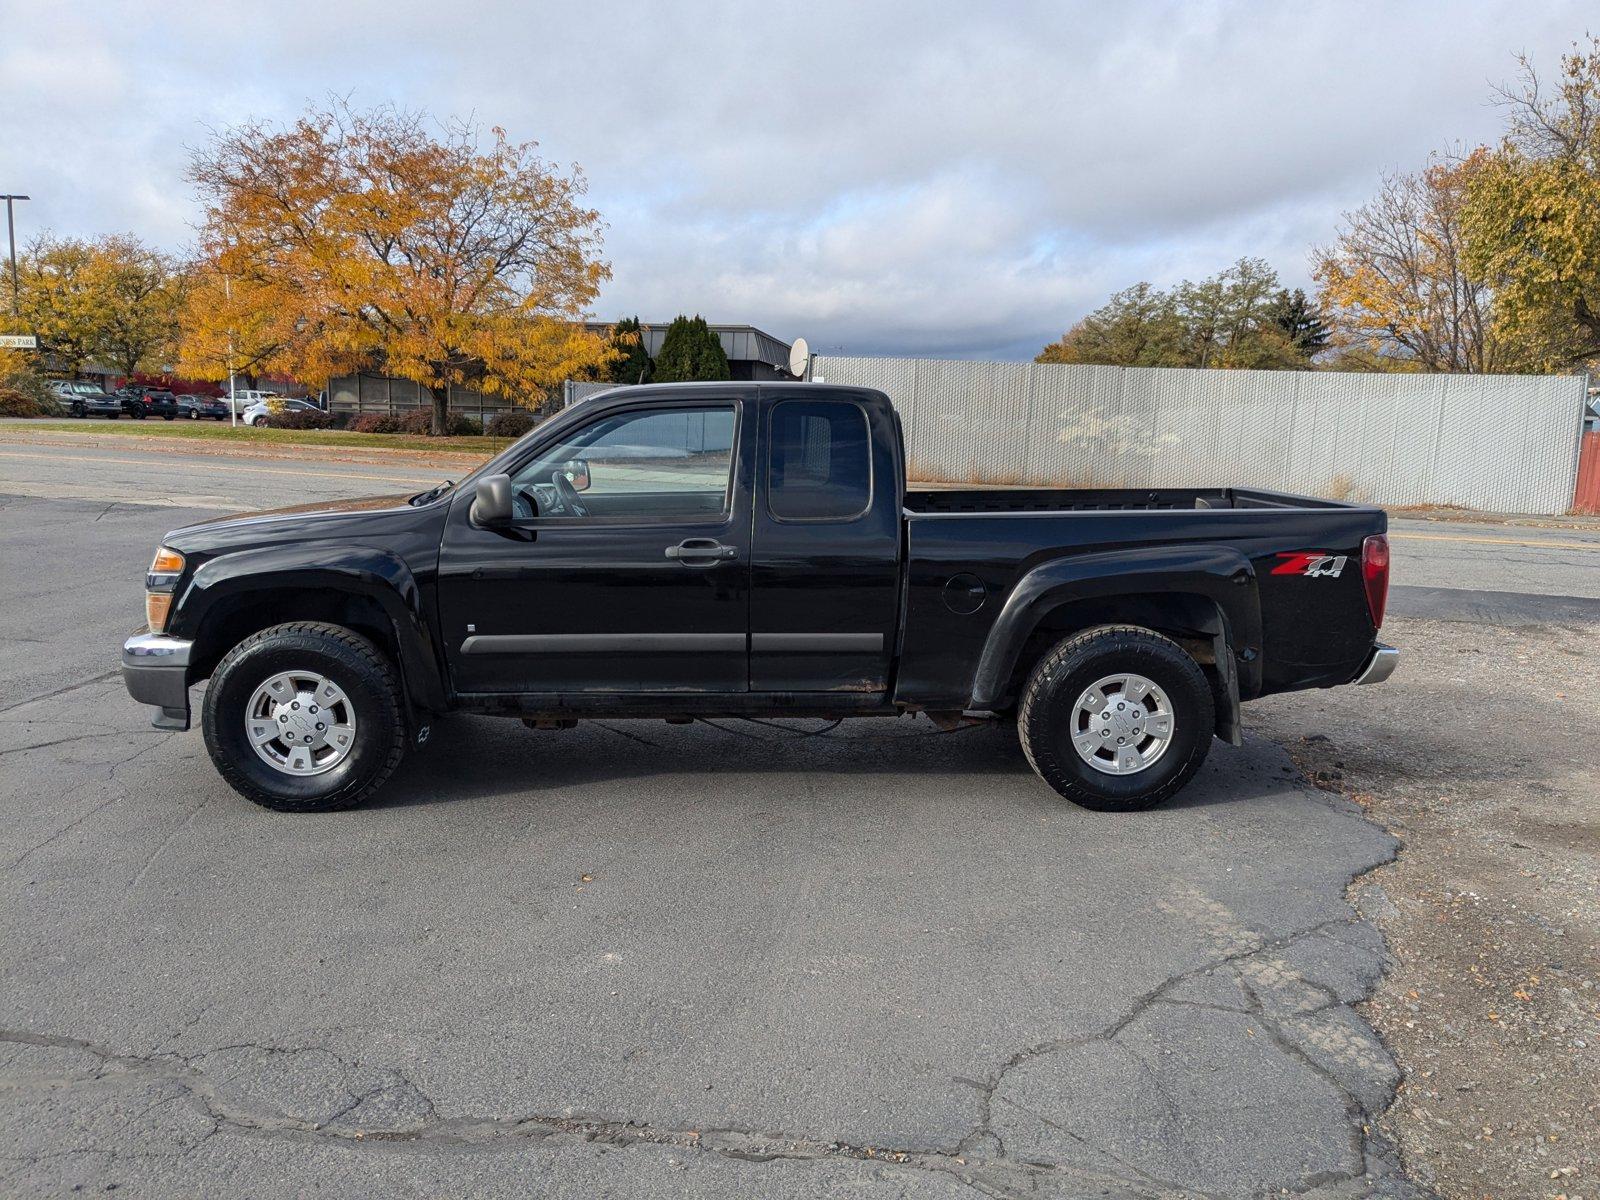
305, 717
1116, 718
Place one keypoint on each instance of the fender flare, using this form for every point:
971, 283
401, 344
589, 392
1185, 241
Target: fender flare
331, 566
1218, 574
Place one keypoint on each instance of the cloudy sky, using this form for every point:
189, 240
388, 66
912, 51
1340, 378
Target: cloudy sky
947, 179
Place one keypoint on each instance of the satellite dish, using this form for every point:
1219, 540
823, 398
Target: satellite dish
799, 358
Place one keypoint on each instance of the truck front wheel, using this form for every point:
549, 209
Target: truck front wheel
305, 717
1116, 718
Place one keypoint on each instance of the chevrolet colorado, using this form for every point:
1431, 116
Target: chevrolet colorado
751, 549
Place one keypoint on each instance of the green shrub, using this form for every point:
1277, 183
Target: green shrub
300, 418
23, 391
374, 423
632, 363
14, 402
418, 423
690, 353
511, 423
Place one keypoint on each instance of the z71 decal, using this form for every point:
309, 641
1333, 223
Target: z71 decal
1310, 563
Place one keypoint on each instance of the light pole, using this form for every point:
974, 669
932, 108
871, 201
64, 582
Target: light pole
11, 235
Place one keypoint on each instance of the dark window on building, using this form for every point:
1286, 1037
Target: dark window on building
821, 462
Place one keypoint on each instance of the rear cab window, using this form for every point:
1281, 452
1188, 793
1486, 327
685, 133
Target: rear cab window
820, 464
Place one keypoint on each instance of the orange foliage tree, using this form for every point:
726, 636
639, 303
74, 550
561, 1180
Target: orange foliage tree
1396, 285
352, 239
1533, 216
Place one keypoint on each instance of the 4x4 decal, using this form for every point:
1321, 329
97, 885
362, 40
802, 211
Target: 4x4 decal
1310, 563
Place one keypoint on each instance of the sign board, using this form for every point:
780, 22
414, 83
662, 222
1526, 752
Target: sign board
18, 341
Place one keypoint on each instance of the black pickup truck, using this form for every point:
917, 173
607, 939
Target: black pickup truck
752, 550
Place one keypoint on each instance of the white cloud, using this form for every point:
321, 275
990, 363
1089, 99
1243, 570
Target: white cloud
942, 178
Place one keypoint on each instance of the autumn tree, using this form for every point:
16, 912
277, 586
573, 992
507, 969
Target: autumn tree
111, 300
1532, 215
143, 298
1227, 320
631, 362
690, 352
350, 239
60, 299
235, 327
1397, 284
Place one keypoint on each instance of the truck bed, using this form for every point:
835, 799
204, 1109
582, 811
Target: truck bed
932, 498
1297, 633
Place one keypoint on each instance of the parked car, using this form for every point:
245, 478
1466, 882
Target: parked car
79, 399
139, 402
194, 407
243, 398
701, 550
73, 387
260, 414
82, 399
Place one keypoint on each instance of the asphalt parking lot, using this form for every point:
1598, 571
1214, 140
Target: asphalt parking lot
633, 959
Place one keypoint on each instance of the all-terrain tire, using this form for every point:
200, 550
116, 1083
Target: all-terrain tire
348, 660
1048, 709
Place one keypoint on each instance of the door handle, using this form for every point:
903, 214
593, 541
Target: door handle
701, 552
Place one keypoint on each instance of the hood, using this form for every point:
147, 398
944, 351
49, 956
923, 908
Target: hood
300, 516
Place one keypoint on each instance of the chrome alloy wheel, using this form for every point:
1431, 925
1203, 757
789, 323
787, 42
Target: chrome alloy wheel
1122, 724
300, 723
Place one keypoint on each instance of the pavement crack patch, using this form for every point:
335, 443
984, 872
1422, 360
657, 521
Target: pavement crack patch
632, 737
1253, 960
150, 859
62, 691
119, 793
77, 737
216, 1097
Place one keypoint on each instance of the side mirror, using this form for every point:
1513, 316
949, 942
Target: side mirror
492, 504
577, 471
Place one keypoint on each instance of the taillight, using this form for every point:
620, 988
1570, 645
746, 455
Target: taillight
1375, 575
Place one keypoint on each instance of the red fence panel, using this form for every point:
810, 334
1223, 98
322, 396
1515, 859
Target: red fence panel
1586, 499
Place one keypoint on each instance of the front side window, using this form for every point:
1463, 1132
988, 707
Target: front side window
647, 464
821, 462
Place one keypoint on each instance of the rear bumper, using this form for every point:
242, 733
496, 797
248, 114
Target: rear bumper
155, 670
1380, 664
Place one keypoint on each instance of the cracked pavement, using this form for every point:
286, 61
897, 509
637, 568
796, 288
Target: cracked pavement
637, 960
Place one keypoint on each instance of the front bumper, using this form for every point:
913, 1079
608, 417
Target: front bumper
155, 670
1380, 664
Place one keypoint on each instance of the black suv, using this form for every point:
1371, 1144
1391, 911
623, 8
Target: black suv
140, 402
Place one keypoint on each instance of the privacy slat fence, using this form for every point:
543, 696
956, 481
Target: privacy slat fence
1505, 443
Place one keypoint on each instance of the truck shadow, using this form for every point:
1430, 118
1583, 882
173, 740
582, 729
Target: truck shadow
478, 758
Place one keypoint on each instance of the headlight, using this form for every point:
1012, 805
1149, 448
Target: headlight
159, 583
